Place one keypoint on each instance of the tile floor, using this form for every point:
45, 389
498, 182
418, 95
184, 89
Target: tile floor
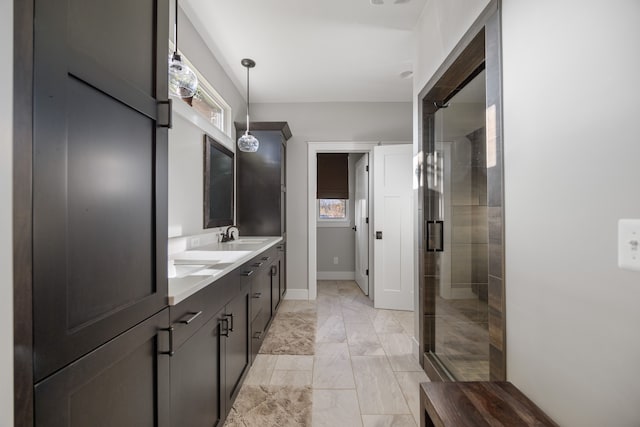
363, 372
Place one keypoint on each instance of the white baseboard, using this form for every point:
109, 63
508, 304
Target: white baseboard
336, 275
297, 294
416, 348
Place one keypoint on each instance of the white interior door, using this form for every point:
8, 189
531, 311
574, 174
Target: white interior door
361, 215
393, 227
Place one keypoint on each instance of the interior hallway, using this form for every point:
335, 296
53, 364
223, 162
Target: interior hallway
363, 372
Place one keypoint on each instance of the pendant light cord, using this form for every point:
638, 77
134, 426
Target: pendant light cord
175, 31
247, 100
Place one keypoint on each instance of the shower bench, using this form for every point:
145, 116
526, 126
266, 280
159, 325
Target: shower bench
458, 404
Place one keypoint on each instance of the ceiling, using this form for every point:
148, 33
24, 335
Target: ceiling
312, 50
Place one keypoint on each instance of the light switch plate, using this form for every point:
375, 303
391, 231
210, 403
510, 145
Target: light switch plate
629, 244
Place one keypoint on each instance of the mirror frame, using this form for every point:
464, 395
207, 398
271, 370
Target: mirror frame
211, 144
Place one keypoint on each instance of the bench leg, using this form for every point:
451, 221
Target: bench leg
425, 419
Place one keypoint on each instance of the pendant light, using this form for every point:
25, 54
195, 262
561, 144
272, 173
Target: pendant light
248, 142
183, 82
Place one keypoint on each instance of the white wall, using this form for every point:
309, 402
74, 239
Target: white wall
319, 122
339, 241
571, 171
186, 139
572, 150
6, 206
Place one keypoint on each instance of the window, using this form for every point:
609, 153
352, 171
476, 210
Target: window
207, 102
332, 209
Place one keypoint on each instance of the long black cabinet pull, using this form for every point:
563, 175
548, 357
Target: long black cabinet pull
257, 335
230, 316
224, 327
258, 264
247, 273
170, 352
274, 270
256, 295
192, 318
266, 258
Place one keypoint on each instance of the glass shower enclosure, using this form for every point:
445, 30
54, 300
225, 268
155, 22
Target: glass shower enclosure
457, 227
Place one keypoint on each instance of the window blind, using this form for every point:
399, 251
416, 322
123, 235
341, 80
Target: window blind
333, 176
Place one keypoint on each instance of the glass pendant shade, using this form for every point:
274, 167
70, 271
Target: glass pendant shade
248, 143
183, 82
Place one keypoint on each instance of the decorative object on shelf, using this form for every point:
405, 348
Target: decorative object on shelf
183, 81
248, 142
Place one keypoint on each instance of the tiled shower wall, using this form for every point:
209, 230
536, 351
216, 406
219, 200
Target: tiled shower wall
469, 254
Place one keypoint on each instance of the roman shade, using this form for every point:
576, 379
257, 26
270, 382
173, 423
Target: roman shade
333, 176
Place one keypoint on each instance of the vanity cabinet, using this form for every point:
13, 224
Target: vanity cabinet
262, 177
124, 382
98, 313
276, 276
257, 276
99, 174
211, 352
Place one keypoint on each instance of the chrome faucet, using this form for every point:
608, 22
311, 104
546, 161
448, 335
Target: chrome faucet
228, 235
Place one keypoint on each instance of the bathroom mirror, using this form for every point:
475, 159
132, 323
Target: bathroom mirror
218, 184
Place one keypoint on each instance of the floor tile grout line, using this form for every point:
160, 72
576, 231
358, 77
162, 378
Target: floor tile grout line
353, 375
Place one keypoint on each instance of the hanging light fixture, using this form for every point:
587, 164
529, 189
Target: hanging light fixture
183, 82
248, 142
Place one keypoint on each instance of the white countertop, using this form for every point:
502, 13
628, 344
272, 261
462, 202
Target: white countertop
198, 268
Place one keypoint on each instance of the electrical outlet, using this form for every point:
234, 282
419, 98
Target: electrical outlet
195, 242
335, 260
629, 244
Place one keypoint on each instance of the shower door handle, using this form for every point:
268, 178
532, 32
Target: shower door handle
435, 236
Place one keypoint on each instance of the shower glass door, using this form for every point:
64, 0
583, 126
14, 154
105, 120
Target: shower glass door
457, 183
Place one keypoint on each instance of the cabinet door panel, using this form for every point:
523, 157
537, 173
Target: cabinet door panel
237, 344
259, 187
122, 383
275, 286
197, 369
100, 172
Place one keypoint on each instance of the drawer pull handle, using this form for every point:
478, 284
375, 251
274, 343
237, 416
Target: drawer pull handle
192, 318
247, 273
230, 316
266, 258
257, 335
258, 264
256, 295
170, 352
224, 328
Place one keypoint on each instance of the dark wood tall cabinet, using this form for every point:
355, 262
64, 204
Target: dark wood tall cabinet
261, 189
100, 116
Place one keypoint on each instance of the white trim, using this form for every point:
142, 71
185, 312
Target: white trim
182, 109
416, 347
297, 294
213, 93
336, 275
314, 148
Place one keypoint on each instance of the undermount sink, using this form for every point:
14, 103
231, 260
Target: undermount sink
247, 241
209, 257
183, 270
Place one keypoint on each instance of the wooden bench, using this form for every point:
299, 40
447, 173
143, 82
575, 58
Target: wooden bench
471, 404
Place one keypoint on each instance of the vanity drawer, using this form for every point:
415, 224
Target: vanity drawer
189, 315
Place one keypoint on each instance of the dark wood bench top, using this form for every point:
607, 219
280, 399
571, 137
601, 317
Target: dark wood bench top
472, 404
